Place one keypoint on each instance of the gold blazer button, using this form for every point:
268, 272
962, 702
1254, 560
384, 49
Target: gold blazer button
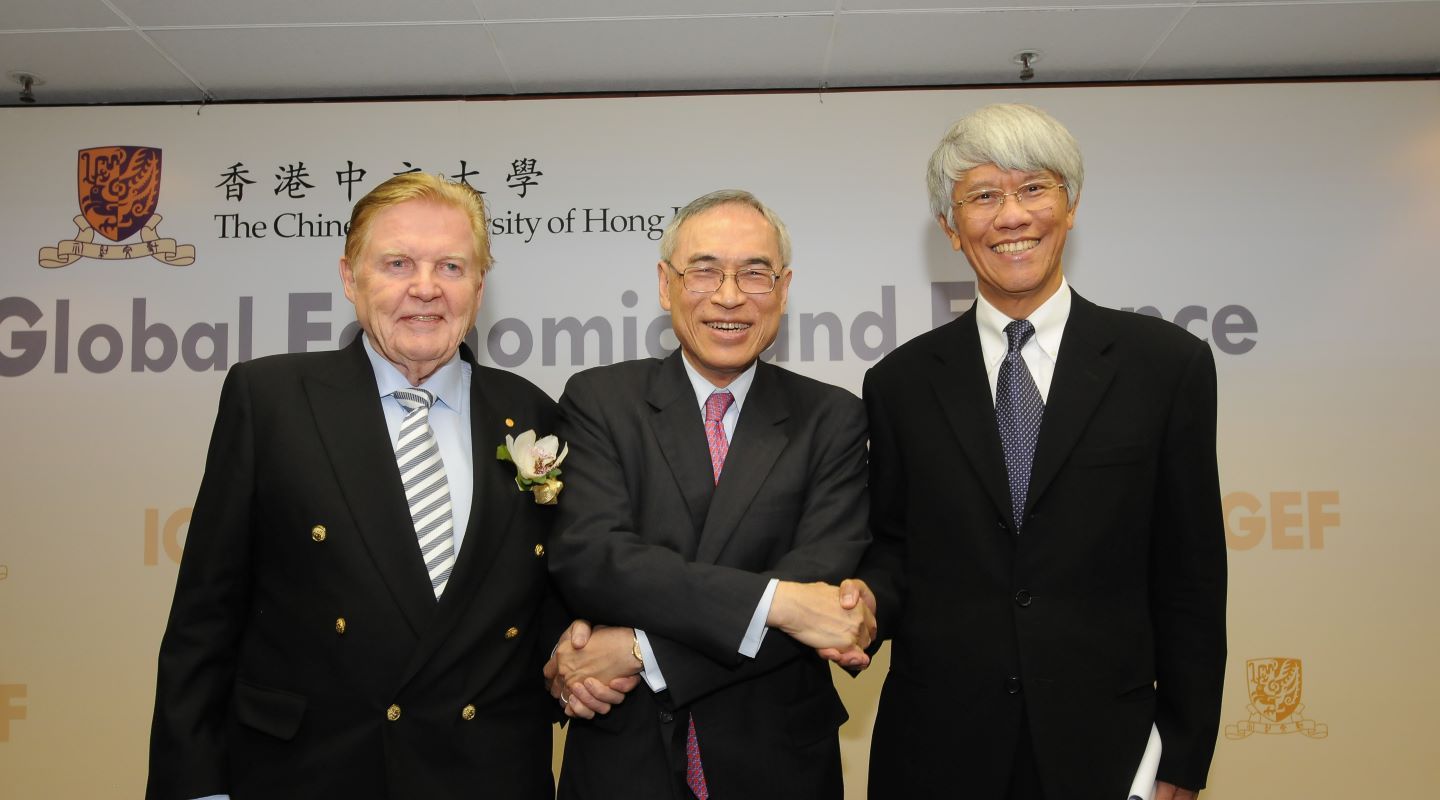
511, 633
318, 533
467, 713
539, 551
392, 713
340, 625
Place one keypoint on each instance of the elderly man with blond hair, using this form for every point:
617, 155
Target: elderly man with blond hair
363, 597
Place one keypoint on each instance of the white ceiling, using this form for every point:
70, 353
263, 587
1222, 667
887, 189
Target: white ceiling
118, 51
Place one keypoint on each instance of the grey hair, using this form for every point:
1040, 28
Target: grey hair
1010, 136
719, 198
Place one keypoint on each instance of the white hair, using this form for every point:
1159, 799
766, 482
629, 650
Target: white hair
1010, 136
719, 198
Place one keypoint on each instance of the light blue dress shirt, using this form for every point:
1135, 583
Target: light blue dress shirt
449, 418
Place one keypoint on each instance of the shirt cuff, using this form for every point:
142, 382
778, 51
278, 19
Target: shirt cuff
755, 634
654, 678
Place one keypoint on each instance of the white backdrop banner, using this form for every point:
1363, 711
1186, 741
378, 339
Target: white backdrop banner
1293, 226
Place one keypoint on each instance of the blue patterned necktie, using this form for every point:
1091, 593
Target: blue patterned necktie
1018, 408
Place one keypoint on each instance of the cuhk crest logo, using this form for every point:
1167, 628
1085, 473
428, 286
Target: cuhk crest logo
119, 191
1275, 685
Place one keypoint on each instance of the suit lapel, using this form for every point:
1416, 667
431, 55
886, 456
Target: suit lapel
493, 506
680, 430
1083, 372
346, 407
495, 493
759, 439
963, 390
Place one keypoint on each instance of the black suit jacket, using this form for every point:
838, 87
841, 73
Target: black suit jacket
1106, 612
645, 538
260, 691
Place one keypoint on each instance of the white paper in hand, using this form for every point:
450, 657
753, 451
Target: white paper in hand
1143, 787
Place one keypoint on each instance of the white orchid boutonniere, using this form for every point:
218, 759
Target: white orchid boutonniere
537, 464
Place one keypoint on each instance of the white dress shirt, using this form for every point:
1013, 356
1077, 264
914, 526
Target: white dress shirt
1040, 351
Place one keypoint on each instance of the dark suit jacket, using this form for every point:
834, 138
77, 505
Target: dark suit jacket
1106, 612
261, 694
645, 538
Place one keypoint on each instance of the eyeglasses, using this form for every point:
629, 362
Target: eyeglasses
708, 280
986, 203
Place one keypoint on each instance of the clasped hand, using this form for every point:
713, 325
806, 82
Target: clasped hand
591, 670
838, 621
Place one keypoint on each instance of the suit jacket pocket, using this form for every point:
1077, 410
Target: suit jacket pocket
816, 716
1108, 455
271, 711
1136, 692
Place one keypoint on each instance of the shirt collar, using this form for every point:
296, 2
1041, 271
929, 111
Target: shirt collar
446, 383
704, 388
1049, 321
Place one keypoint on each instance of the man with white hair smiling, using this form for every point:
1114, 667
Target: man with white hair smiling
712, 500
1049, 556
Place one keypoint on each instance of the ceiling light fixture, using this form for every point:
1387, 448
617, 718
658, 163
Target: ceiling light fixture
1027, 59
28, 81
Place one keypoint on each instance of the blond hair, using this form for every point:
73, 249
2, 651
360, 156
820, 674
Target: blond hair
419, 186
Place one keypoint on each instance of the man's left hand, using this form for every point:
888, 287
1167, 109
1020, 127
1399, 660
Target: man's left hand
1169, 791
587, 696
591, 670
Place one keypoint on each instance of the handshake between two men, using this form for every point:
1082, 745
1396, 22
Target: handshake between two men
593, 668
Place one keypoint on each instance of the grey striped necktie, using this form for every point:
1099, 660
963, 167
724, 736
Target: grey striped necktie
426, 488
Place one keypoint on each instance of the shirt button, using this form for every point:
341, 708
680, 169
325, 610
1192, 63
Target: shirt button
1012, 684
1023, 598
392, 713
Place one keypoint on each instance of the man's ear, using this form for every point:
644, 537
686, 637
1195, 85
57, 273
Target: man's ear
662, 273
782, 285
347, 278
950, 233
1070, 215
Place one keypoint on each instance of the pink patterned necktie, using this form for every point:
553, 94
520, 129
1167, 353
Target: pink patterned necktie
694, 772
715, 407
